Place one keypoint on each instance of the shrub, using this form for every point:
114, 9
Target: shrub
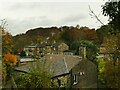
39, 76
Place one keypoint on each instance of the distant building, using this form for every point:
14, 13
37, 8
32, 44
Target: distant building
69, 52
48, 49
62, 47
45, 48
104, 53
31, 50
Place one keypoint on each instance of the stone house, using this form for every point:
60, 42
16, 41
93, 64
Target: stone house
83, 75
31, 50
73, 71
62, 47
69, 71
43, 49
61, 65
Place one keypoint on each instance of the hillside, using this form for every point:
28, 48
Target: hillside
62, 34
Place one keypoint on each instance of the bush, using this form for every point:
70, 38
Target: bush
39, 76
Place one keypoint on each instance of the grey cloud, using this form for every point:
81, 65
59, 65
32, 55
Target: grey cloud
24, 5
26, 15
73, 18
28, 23
37, 21
17, 26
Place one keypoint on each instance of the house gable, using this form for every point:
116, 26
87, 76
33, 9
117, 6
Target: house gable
86, 73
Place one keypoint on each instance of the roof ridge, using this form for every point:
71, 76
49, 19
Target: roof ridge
65, 64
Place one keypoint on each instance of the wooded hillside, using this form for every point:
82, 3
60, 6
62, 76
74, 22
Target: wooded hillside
62, 34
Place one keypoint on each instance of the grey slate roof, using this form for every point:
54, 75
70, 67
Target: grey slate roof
59, 64
62, 64
59, 67
24, 68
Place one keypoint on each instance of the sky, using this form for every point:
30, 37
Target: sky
25, 15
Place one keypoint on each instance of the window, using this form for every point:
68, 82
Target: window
75, 79
81, 73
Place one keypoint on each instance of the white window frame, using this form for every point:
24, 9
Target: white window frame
75, 81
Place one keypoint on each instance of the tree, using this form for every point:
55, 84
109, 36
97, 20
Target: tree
112, 73
112, 10
111, 69
92, 14
101, 75
4, 73
9, 61
20, 41
104, 31
39, 76
91, 49
110, 36
7, 43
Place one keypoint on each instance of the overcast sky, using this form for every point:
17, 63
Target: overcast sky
22, 16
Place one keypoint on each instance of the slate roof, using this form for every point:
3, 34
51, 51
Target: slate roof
59, 64
62, 64
24, 68
59, 67
71, 61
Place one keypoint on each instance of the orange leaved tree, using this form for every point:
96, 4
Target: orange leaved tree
10, 60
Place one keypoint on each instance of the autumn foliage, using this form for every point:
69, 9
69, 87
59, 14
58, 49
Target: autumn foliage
10, 59
7, 43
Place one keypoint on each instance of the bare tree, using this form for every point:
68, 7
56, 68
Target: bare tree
94, 15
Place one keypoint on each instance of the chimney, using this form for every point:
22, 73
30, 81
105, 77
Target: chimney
82, 52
